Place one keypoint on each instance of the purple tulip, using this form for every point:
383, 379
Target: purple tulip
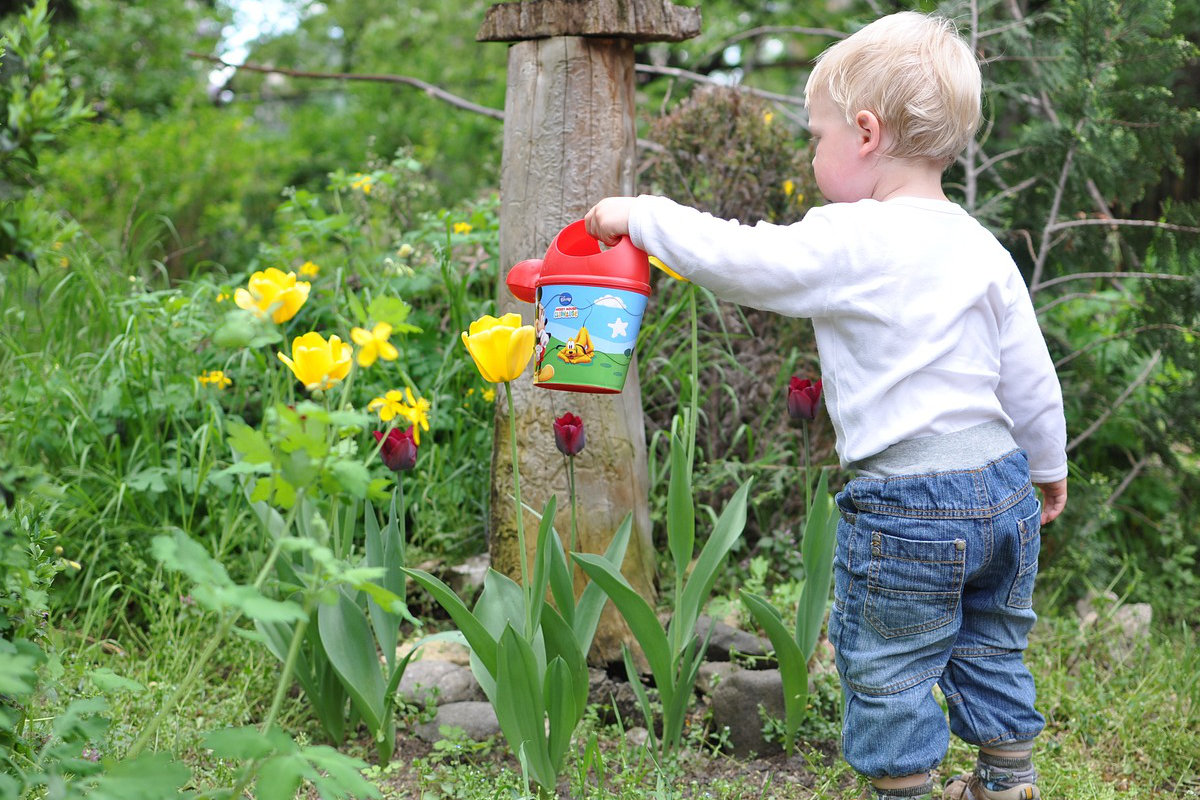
568, 434
399, 451
803, 398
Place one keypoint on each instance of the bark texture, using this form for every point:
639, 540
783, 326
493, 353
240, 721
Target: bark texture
638, 20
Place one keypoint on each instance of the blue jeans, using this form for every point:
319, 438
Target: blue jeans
933, 584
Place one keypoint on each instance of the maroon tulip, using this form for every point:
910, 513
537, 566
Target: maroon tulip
399, 451
803, 398
568, 434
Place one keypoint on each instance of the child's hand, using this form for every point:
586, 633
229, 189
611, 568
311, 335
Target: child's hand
608, 220
1054, 499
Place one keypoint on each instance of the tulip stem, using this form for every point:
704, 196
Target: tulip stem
512, 441
807, 469
574, 526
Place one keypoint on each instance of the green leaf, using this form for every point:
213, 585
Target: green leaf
562, 708
148, 777
254, 604
637, 613
520, 707
592, 599
793, 665
541, 562
481, 642
244, 744
817, 549
109, 682
180, 553
250, 444
681, 508
699, 584
393, 311
347, 639
280, 777
352, 477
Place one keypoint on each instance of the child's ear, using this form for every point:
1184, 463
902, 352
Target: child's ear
870, 132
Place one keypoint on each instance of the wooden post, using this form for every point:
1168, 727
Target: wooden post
569, 140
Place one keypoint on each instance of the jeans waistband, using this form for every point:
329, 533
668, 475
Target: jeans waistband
965, 449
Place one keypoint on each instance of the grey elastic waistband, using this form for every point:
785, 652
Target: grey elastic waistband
964, 449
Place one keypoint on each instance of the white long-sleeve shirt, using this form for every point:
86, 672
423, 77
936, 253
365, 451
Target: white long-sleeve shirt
923, 323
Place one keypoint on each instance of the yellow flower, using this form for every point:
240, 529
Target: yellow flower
362, 183
273, 292
501, 347
403, 404
768, 116
489, 395
789, 186
222, 297
405, 250
462, 227
317, 363
374, 344
215, 377
309, 270
389, 406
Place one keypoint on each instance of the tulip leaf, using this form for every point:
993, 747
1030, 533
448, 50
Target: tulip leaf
592, 599
563, 708
681, 509
817, 547
793, 665
350, 647
481, 642
638, 615
562, 587
560, 643
699, 584
520, 706
541, 564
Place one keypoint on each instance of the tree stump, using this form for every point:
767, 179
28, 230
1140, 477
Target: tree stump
569, 140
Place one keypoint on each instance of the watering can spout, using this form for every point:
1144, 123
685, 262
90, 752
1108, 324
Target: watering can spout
523, 278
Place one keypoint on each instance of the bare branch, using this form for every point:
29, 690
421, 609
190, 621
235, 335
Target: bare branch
1136, 470
1066, 298
1127, 223
435, 92
1082, 276
696, 77
1039, 261
1108, 412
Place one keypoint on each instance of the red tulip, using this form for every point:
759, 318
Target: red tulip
568, 434
803, 398
399, 451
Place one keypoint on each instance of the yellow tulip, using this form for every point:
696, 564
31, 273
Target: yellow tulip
501, 347
317, 363
272, 291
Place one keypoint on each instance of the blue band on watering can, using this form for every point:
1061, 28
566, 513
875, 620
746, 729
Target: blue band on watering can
585, 336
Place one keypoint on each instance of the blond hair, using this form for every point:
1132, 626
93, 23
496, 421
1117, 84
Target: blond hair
916, 74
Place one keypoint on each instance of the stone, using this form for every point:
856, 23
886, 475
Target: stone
726, 640
475, 718
615, 699
735, 707
711, 674
1122, 626
439, 682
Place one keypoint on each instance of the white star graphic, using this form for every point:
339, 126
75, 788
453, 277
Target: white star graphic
619, 328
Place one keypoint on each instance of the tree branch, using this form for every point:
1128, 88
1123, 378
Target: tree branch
1112, 407
435, 92
1129, 334
1128, 223
1080, 276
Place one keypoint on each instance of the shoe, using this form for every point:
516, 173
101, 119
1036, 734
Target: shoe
970, 787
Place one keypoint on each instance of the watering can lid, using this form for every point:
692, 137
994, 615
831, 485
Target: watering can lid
576, 258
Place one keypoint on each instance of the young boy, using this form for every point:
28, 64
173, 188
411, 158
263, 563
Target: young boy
942, 394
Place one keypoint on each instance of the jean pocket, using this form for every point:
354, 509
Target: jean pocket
913, 586
1029, 536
